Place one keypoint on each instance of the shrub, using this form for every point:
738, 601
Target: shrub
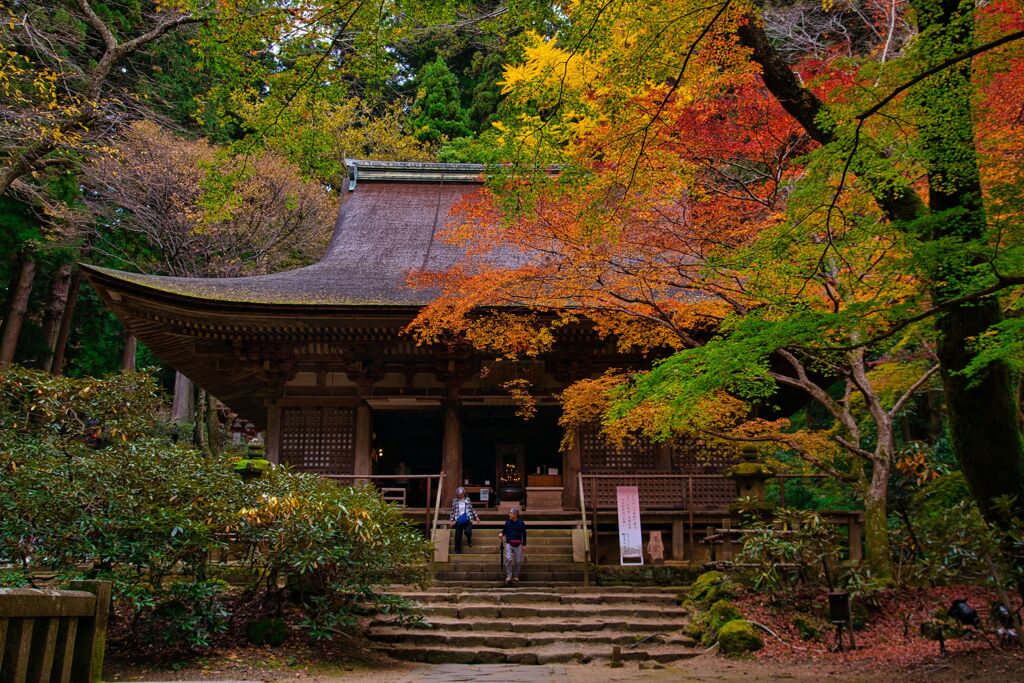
784, 562
90, 487
738, 637
271, 632
943, 538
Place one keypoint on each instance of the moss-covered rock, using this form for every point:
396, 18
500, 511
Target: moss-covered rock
711, 622
709, 588
738, 637
808, 627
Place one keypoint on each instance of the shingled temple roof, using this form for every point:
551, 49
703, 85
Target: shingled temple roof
387, 227
242, 338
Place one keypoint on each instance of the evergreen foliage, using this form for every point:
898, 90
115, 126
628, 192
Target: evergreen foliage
437, 112
93, 486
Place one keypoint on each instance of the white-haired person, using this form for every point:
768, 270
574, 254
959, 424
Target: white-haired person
514, 536
462, 517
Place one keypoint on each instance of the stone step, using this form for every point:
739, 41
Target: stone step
531, 626
531, 574
487, 550
487, 540
545, 655
516, 596
533, 611
467, 639
530, 530
407, 590
540, 556
493, 565
500, 583
556, 526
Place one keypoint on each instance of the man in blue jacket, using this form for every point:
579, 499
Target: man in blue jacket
514, 536
462, 517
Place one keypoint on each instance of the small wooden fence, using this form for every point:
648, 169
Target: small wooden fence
53, 635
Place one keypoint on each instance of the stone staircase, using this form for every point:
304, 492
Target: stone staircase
537, 625
549, 560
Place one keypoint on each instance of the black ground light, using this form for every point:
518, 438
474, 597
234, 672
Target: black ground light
841, 616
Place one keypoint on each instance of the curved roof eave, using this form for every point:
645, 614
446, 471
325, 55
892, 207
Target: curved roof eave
236, 295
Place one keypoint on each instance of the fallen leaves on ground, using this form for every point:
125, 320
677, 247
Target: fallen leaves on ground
891, 635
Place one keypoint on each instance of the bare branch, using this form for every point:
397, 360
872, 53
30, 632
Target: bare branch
912, 390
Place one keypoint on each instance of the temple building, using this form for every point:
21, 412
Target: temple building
318, 359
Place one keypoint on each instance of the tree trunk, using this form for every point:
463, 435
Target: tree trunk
983, 410
61, 343
181, 409
876, 520
59, 288
215, 432
16, 311
128, 352
199, 424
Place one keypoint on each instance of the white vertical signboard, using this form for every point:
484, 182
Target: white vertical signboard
630, 539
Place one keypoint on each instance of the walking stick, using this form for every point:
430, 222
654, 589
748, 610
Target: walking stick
501, 556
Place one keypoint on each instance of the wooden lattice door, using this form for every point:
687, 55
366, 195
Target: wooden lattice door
319, 440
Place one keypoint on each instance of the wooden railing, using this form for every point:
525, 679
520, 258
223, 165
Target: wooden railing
686, 494
54, 635
586, 533
433, 528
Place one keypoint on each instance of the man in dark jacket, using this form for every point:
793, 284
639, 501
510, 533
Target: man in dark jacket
514, 536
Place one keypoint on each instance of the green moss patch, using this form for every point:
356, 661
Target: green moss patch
739, 637
709, 588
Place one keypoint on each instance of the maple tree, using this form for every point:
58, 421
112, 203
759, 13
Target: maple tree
187, 208
191, 209
824, 217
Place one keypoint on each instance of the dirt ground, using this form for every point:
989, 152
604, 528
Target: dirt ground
261, 665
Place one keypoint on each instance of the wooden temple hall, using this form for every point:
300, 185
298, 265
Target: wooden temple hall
315, 357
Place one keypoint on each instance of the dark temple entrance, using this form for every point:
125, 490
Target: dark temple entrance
412, 437
492, 432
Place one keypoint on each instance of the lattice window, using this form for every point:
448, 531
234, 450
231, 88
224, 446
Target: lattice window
692, 455
320, 440
600, 456
655, 493
713, 494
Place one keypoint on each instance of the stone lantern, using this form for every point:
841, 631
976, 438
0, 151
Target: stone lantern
255, 462
749, 475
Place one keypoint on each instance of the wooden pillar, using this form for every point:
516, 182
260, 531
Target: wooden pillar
128, 353
273, 436
451, 452
856, 538
663, 458
363, 463
182, 408
678, 539
571, 461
